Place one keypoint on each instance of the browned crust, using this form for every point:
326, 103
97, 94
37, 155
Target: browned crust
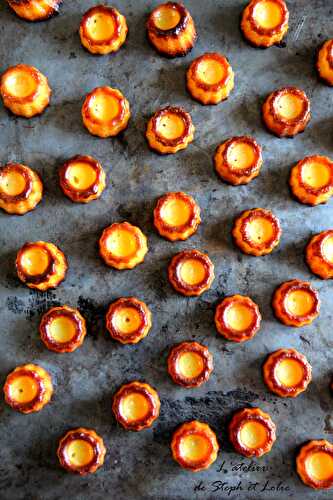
90, 437
315, 255
279, 303
247, 415
53, 9
305, 193
186, 118
200, 429
273, 382
145, 318
77, 319
106, 90
107, 11
326, 52
221, 319
25, 172
113, 260
34, 73
175, 276
152, 399
222, 60
175, 354
78, 195
268, 31
304, 453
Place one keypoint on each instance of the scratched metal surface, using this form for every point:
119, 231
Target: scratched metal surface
139, 466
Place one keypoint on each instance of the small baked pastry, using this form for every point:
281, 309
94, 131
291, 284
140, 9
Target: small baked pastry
35, 10
28, 388
105, 112
287, 373
319, 254
325, 62
237, 318
136, 406
238, 160
82, 179
314, 464
123, 246
311, 180
171, 30
210, 78
20, 188
296, 303
194, 446
103, 30
81, 451
176, 216
191, 272
25, 90
41, 265
252, 432
128, 320
170, 130
190, 364
62, 329
257, 231
265, 22
286, 112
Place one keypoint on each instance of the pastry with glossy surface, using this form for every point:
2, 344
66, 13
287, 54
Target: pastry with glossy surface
311, 180
191, 272
237, 318
128, 320
82, 179
319, 254
176, 216
190, 364
62, 329
81, 451
35, 10
314, 464
21, 188
324, 63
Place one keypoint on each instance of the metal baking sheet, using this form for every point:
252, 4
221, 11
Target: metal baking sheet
139, 465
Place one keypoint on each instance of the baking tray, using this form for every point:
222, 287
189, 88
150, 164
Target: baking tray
139, 465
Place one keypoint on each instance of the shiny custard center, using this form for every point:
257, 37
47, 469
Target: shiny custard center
79, 452
259, 230
175, 212
35, 261
210, 71
241, 156
253, 435
23, 389
127, 320
267, 14
62, 329
170, 126
320, 466
289, 106
316, 175
239, 317
100, 27
105, 107
134, 407
121, 243
20, 84
299, 302
190, 364
166, 18
12, 183
289, 372
192, 272
327, 248
194, 447
81, 175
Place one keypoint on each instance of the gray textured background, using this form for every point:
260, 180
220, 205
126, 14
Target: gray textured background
139, 466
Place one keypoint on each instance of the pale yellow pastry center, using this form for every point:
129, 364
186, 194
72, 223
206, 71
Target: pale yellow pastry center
23, 389
289, 372
289, 106
12, 183
104, 107
253, 434
35, 261
299, 302
319, 465
267, 14
134, 407
327, 248
194, 447
121, 243
239, 317
81, 175
190, 364
100, 27
241, 156
166, 18
210, 71
192, 271
79, 452
316, 175
127, 320
260, 230
20, 84
62, 329
175, 212
170, 126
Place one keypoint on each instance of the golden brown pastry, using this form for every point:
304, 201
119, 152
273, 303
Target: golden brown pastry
252, 432
237, 318
265, 22
314, 464
287, 373
210, 78
41, 265
194, 446
105, 112
286, 112
122, 245
190, 364
311, 180
128, 320
324, 63
238, 160
35, 10
82, 179
136, 406
176, 216
81, 451
296, 303
103, 30
62, 329
170, 130
319, 254
257, 232
28, 388
25, 90
171, 30
191, 272
21, 188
